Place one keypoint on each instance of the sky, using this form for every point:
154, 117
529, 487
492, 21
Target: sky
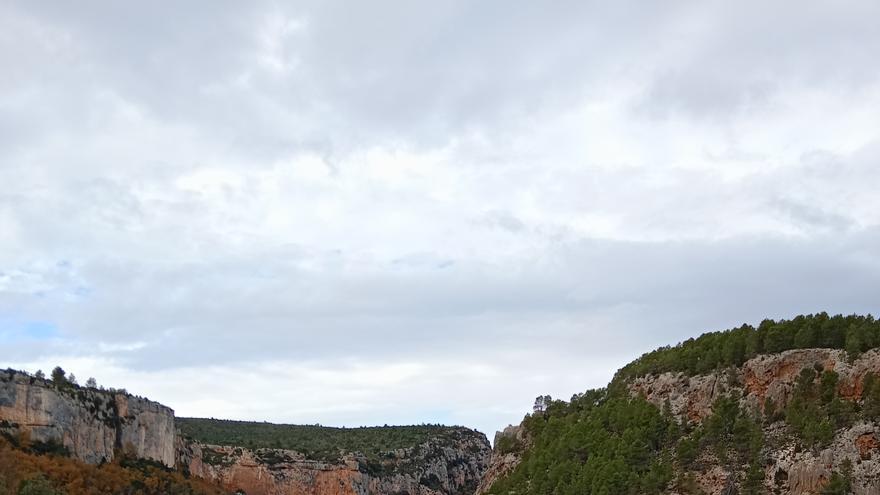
403, 212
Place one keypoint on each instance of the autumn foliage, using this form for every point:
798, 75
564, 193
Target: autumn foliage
24, 471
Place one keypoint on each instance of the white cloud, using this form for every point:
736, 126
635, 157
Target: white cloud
394, 206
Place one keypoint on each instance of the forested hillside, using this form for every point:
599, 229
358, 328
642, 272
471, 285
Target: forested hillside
853, 333
615, 441
316, 442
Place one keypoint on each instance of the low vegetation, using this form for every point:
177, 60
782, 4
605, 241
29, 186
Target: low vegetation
28, 470
315, 442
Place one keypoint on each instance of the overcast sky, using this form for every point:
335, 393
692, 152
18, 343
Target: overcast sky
400, 212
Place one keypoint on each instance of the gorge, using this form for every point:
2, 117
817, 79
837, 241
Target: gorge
97, 426
789, 406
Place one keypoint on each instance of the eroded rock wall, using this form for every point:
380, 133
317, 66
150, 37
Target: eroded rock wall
504, 457
93, 425
432, 468
791, 469
764, 377
796, 471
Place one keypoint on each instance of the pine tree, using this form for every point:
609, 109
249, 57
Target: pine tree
59, 377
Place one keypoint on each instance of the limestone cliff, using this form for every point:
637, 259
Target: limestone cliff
766, 377
762, 383
93, 425
96, 426
770, 379
435, 467
506, 455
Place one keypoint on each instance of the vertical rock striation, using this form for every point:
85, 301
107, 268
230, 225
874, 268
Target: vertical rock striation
435, 467
506, 455
93, 425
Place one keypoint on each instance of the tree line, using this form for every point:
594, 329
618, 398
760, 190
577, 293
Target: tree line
853, 333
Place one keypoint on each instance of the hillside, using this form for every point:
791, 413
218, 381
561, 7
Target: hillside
315, 442
788, 407
27, 468
270, 459
57, 437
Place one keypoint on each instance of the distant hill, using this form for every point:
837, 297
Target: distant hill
317, 442
318, 460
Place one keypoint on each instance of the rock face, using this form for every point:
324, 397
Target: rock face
757, 381
96, 426
92, 425
772, 378
432, 468
506, 455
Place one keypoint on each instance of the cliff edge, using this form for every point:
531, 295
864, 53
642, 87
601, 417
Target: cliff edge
92, 425
448, 464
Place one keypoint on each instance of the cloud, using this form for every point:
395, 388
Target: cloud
423, 212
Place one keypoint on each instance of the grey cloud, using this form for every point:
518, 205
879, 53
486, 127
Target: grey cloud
367, 72
222, 185
503, 220
190, 315
749, 53
379, 73
812, 217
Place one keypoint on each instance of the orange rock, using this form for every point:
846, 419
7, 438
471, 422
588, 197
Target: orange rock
867, 443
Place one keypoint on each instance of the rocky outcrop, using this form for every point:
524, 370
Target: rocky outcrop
759, 380
93, 425
97, 426
796, 471
507, 452
770, 379
436, 467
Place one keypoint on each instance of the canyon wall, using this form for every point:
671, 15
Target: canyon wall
758, 380
763, 383
436, 467
506, 455
93, 425
97, 426
770, 379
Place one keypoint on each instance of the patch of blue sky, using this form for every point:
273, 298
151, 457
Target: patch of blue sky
40, 329
12, 330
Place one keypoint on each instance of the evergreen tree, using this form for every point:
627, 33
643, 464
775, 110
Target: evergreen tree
853, 344
59, 377
37, 486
